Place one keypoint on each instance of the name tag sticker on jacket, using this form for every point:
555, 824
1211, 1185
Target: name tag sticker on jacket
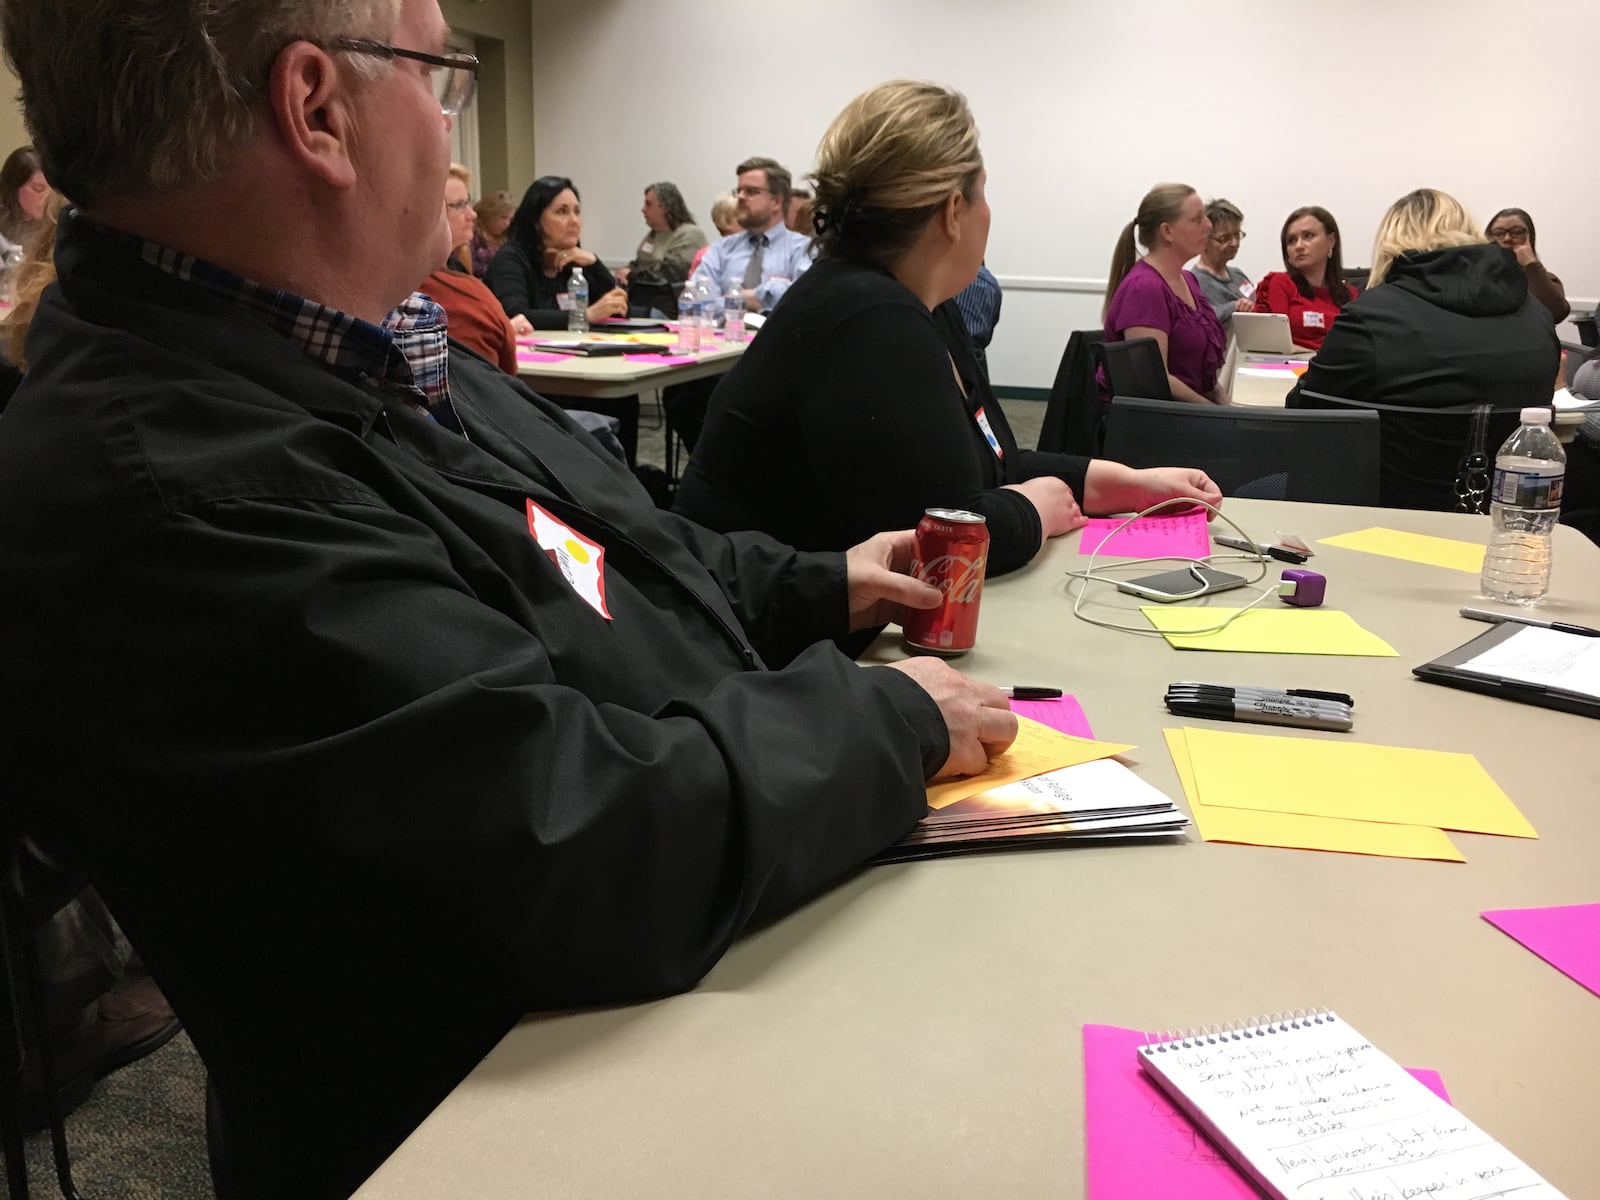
988, 433
1313, 319
581, 560
1247, 289
563, 302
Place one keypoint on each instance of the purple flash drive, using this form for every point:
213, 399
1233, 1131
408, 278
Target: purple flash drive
1303, 589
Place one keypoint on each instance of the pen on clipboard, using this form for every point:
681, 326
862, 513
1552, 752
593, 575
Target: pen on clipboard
1496, 618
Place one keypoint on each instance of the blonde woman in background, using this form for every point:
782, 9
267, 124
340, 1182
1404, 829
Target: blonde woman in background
28, 280
494, 213
863, 403
1155, 297
725, 217
1446, 320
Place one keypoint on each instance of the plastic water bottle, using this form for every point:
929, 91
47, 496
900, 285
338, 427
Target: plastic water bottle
689, 319
733, 314
578, 293
1529, 472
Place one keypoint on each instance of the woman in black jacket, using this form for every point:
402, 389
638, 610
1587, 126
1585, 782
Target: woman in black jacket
861, 402
531, 271
1446, 321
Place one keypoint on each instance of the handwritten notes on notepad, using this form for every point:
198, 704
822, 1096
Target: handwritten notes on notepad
1182, 536
1138, 1144
1310, 1109
1566, 937
1267, 631
1544, 657
1357, 781
1413, 547
1037, 749
1295, 831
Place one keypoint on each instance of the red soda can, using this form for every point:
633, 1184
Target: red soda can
952, 548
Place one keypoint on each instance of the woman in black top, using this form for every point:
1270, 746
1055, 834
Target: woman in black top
1446, 321
531, 271
861, 402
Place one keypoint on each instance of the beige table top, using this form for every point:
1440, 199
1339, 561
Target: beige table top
608, 378
917, 1031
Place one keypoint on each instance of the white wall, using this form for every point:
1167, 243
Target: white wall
1083, 105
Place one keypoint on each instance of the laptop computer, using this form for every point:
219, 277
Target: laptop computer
1265, 333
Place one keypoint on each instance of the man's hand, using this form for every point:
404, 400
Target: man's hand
1058, 507
1114, 488
978, 716
879, 586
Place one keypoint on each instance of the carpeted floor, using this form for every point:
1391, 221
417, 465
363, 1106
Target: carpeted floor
141, 1135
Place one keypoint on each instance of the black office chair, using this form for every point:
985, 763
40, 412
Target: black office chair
33, 889
1447, 459
1135, 369
1585, 322
1074, 418
1576, 356
1253, 453
1357, 277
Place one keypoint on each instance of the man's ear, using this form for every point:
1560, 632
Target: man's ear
308, 99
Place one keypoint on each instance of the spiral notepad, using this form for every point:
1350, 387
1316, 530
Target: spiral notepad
1311, 1110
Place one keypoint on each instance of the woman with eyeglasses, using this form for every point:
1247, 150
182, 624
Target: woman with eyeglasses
531, 272
1311, 289
476, 318
1224, 285
1512, 229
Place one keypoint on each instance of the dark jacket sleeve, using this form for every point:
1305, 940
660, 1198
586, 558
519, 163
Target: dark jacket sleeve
554, 851
1547, 290
1346, 366
885, 442
512, 279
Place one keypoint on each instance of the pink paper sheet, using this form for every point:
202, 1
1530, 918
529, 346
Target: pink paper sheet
665, 360
1065, 714
1566, 937
1138, 1145
533, 356
1182, 536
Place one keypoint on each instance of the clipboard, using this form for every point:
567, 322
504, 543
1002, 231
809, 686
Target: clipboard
1450, 670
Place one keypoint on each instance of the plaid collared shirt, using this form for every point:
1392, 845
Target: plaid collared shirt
407, 355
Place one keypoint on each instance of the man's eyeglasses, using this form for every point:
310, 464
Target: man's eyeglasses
453, 84
752, 191
1517, 233
1236, 236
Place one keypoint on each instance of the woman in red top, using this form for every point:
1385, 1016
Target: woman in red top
1311, 290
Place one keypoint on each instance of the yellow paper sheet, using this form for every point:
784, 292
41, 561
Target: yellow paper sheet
1355, 780
1268, 631
1413, 547
1297, 832
1038, 749
643, 339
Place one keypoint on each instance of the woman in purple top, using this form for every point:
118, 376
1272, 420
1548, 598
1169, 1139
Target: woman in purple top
1156, 298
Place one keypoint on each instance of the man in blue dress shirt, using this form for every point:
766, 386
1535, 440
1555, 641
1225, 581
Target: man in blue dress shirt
766, 256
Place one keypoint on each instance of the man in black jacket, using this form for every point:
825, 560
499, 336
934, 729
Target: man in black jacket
379, 703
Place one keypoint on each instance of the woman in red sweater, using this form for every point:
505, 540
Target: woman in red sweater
1311, 289
476, 319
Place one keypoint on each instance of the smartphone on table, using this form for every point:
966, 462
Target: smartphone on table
1190, 583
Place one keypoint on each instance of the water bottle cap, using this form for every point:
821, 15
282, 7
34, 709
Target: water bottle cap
1536, 416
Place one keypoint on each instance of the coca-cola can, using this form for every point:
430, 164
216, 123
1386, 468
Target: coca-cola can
952, 548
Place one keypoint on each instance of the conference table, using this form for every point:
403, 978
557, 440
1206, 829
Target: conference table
613, 385
916, 1031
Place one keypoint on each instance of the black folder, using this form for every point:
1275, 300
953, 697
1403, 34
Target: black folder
1547, 692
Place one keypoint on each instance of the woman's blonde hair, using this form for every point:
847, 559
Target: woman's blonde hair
723, 209
887, 164
36, 272
1426, 219
492, 207
457, 171
1161, 205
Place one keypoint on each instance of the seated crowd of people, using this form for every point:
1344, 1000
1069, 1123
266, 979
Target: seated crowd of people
378, 659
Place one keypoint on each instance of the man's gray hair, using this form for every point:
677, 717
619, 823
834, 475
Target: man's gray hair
136, 96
